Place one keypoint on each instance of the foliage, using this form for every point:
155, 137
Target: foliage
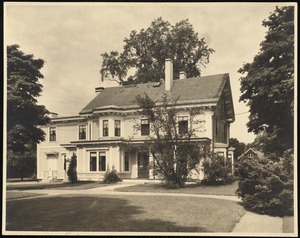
22, 165
217, 171
72, 170
270, 79
112, 177
175, 155
147, 50
239, 147
266, 186
23, 114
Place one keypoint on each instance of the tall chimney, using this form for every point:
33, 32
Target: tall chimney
168, 74
182, 75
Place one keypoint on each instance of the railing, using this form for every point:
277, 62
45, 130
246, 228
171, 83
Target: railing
50, 174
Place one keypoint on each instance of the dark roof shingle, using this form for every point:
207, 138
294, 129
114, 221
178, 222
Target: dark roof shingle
203, 89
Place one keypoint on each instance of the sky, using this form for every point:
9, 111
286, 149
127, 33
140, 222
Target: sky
71, 36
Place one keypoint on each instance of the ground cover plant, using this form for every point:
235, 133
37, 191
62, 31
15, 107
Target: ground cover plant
227, 190
119, 213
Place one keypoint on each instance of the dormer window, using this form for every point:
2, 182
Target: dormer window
52, 133
105, 128
82, 132
183, 125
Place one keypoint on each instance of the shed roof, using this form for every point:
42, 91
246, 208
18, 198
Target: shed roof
197, 89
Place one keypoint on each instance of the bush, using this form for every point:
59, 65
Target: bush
72, 172
216, 171
111, 177
266, 186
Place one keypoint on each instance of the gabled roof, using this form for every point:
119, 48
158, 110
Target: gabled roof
207, 89
258, 153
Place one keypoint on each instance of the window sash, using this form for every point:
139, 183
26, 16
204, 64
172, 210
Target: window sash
102, 161
126, 161
183, 124
117, 128
105, 128
145, 127
52, 134
93, 161
82, 132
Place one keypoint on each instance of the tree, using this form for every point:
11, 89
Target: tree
72, 170
174, 153
239, 147
24, 115
147, 50
268, 87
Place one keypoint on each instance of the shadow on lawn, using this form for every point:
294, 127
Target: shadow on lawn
63, 185
78, 213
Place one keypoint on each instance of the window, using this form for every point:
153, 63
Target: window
105, 128
93, 161
216, 127
225, 132
145, 127
82, 132
52, 134
101, 158
117, 128
102, 161
126, 161
183, 125
250, 155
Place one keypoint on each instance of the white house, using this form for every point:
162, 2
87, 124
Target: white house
97, 134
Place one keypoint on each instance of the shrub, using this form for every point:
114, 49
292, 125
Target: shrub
111, 177
266, 186
72, 173
216, 171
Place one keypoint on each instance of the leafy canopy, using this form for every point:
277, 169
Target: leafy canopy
146, 51
23, 87
268, 87
24, 115
175, 154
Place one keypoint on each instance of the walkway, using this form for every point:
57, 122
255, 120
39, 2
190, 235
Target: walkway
250, 223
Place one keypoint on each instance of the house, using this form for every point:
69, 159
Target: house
251, 154
99, 134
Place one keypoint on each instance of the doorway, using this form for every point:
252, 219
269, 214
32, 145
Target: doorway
143, 164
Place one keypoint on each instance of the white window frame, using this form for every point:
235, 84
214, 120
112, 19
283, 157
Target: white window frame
78, 133
50, 134
97, 161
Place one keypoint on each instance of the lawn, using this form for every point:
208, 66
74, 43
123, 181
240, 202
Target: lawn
63, 185
228, 190
115, 213
18, 194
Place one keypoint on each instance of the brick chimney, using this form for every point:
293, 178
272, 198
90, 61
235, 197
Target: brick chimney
182, 75
99, 89
168, 74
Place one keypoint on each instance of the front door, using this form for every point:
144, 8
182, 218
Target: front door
143, 164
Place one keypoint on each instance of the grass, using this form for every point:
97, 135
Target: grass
80, 185
17, 194
288, 224
228, 190
115, 213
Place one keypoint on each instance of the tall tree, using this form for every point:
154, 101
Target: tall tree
268, 87
146, 51
174, 153
23, 113
239, 147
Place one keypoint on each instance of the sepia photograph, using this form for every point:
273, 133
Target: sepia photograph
150, 119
